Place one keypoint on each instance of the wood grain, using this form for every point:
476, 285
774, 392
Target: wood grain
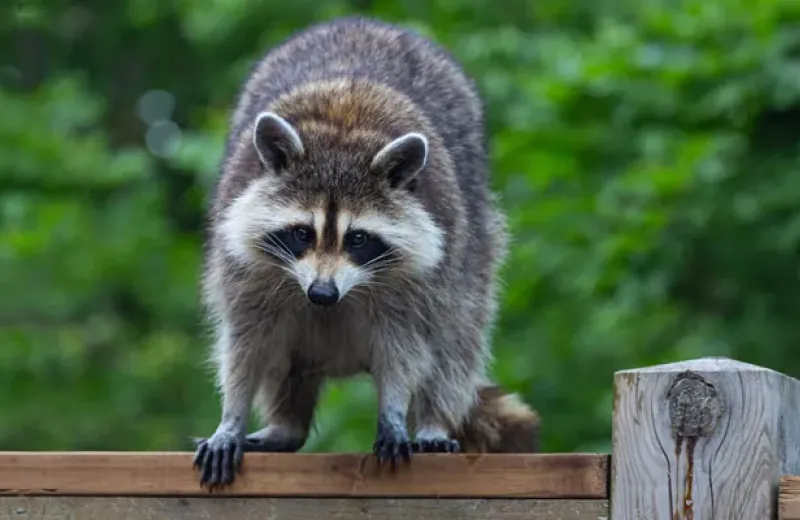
789, 499
705, 439
150, 508
309, 475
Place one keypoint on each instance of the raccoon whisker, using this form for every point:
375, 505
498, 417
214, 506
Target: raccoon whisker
382, 266
277, 253
379, 283
358, 294
279, 289
274, 242
386, 268
286, 270
376, 286
387, 276
394, 269
386, 262
283, 267
367, 296
275, 248
402, 284
380, 257
362, 288
291, 291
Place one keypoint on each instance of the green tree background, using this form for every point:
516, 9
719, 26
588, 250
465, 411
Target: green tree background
647, 153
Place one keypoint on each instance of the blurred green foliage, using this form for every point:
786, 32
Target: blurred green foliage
647, 153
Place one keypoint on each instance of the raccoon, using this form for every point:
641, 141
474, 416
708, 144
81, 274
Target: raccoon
353, 231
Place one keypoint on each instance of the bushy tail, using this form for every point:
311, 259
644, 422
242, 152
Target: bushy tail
500, 423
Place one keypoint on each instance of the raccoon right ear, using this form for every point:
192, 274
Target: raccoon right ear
402, 159
275, 140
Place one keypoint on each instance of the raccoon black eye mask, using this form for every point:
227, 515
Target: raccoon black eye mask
362, 248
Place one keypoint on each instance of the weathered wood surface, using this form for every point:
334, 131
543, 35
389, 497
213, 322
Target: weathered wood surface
151, 508
309, 475
705, 439
789, 498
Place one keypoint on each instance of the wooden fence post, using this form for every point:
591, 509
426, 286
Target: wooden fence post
706, 439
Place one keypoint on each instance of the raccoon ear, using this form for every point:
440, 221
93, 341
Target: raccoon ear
402, 159
275, 140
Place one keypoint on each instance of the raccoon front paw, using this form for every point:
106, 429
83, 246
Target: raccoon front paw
218, 459
392, 444
437, 445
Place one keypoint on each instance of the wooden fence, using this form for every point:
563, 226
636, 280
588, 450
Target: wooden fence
699, 440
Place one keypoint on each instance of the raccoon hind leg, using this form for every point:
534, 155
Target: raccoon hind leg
435, 439
287, 409
434, 421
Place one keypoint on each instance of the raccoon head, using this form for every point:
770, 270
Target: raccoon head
335, 211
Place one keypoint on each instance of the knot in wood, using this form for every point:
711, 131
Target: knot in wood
694, 405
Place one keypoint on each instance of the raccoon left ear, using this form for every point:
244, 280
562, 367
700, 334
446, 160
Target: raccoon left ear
402, 159
275, 140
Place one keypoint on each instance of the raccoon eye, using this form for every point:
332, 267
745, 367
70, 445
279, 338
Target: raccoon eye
358, 239
301, 234
366, 249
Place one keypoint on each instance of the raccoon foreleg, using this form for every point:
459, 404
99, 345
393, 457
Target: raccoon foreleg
396, 369
220, 457
392, 441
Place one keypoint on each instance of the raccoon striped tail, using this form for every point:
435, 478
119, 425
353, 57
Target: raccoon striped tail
500, 423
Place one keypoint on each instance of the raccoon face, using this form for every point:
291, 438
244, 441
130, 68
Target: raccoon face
328, 262
332, 224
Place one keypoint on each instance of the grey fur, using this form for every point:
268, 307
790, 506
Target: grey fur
423, 335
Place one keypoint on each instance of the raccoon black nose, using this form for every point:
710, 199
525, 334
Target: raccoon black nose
323, 293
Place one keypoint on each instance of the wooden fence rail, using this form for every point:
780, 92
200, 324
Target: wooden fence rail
707, 439
332, 486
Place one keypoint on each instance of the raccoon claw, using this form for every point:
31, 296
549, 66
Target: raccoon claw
438, 445
218, 459
391, 447
393, 450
